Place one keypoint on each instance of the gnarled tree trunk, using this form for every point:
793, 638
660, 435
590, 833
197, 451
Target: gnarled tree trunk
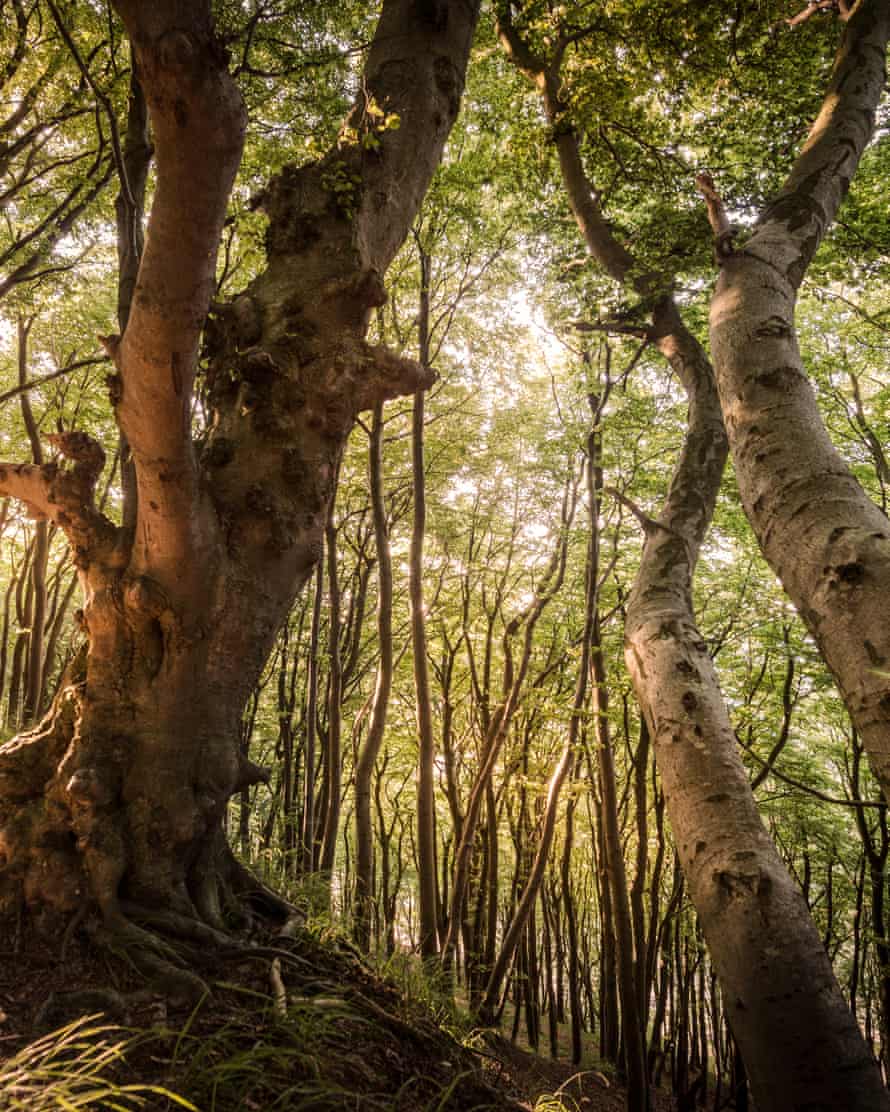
118, 796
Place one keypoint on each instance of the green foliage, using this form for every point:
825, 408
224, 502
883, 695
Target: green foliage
654, 92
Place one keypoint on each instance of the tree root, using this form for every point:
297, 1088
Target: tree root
263, 899
157, 960
175, 924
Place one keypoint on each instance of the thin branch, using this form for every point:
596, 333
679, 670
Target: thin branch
860, 804
36, 383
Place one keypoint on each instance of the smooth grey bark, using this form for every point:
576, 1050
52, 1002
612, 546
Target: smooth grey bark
780, 992
801, 1045
821, 534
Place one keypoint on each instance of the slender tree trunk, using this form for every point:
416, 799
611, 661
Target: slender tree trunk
367, 757
307, 833
632, 1025
335, 700
426, 841
568, 897
638, 888
33, 665
552, 1020
609, 1024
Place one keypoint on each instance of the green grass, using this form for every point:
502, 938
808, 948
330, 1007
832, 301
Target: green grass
75, 1067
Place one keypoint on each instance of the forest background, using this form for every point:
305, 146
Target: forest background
548, 443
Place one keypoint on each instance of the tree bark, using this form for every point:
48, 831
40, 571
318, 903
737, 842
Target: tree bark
307, 826
426, 841
142, 752
335, 699
367, 756
801, 1046
827, 542
33, 671
734, 873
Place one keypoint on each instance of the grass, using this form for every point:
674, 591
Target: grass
74, 1067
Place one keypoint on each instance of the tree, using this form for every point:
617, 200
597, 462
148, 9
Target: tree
823, 536
727, 857
118, 795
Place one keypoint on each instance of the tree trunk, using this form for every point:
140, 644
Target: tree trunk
426, 784
800, 1043
119, 796
33, 670
367, 756
307, 828
735, 876
827, 542
616, 874
335, 699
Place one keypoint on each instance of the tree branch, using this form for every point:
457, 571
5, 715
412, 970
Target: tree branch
791, 227
65, 495
198, 122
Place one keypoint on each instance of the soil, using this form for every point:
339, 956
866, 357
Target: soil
349, 1039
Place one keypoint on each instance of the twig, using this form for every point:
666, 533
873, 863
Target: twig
36, 383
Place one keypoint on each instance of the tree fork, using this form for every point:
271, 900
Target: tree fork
122, 792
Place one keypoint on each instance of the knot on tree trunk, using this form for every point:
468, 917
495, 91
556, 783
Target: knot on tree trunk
383, 375
84, 452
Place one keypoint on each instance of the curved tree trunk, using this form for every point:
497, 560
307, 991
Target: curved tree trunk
119, 796
367, 756
799, 1040
821, 534
801, 1045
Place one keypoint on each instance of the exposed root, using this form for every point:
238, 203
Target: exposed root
263, 899
78, 918
157, 960
279, 994
179, 926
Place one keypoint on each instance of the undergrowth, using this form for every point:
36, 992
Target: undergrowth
75, 1067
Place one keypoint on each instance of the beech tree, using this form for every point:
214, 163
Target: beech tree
117, 796
740, 823
728, 858
821, 533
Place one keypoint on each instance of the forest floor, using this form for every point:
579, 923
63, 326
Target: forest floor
349, 1040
